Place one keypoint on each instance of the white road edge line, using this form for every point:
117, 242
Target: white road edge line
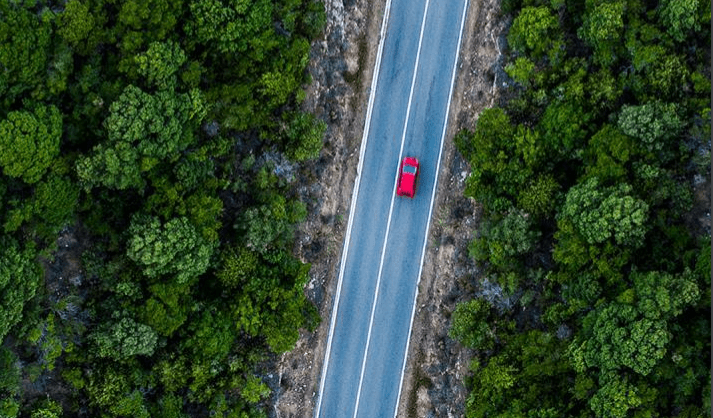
433, 200
391, 209
355, 195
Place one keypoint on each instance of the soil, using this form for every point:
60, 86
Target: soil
341, 66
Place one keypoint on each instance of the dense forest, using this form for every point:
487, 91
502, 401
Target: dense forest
150, 132
586, 172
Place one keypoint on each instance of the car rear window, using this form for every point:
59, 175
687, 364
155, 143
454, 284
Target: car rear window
409, 169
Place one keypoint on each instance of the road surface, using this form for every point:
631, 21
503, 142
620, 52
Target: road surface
386, 236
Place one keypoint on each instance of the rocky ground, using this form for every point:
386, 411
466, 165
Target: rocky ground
341, 67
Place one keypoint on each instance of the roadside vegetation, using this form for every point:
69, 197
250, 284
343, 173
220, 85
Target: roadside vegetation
586, 174
164, 136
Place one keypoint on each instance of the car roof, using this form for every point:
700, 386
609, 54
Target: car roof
407, 181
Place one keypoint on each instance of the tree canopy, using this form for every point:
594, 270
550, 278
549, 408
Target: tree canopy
29, 141
586, 173
146, 231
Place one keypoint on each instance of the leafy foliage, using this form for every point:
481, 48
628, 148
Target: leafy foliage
603, 29
585, 180
270, 225
127, 123
123, 339
304, 136
10, 379
51, 207
534, 30
24, 49
160, 63
143, 129
173, 248
540, 196
600, 214
498, 167
19, 278
469, 325
680, 18
503, 240
29, 141
653, 124
77, 26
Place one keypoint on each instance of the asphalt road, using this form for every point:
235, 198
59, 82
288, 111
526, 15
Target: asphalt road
386, 235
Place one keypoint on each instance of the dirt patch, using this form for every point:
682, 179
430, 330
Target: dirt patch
341, 65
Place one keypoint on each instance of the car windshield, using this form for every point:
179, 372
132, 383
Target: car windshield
409, 169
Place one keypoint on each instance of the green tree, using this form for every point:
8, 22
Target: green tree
603, 29
160, 64
679, 17
303, 136
270, 225
654, 124
540, 196
143, 130
108, 383
522, 71
603, 89
238, 264
313, 19
622, 339
277, 86
159, 125
609, 154
29, 142
47, 409
633, 331
658, 80
237, 27
9, 407
20, 275
502, 240
174, 248
210, 337
25, 39
168, 307
204, 211
10, 377
194, 171
615, 398
534, 31
54, 203
663, 295
141, 22
77, 26
271, 302
169, 406
254, 390
502, 159
469, 325
602, 213
51, 207
563, 128
132, 405
491, 385
114, 166
493, 124
124, 338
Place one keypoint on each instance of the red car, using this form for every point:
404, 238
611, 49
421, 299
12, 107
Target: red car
408, 172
